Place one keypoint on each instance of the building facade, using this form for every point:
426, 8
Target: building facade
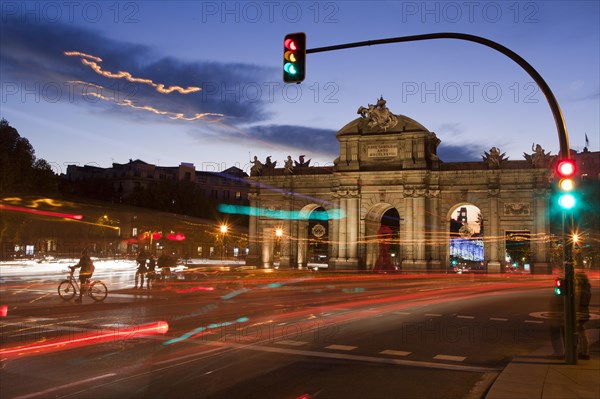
388, 174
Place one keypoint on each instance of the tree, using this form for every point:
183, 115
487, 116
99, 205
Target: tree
21, 172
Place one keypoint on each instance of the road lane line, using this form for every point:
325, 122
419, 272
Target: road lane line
346, 356
498, 319
433, 315
449, 357
341, 347
291, 342
534, 321
395, 353
401, 313
72, 384
465, 317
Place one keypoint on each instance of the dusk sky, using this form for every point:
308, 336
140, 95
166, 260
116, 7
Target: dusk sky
201, 81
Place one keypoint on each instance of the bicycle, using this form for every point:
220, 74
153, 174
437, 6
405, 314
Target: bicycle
68, 288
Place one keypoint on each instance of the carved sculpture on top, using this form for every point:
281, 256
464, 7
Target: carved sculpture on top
538, 158
256, 169
378, 115
494, 159
269, 164
289, 166
301, 162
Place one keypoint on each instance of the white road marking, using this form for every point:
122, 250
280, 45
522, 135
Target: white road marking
347, 356
449, 357
534, 321
433, 315
395, 353
341, 347
402, 313
58, 388
498, 319
291, 342
465, 317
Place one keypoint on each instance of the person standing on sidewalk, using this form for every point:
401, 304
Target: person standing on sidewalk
141, 270
583, 295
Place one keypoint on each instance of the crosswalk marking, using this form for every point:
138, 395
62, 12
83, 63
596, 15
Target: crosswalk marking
291, 342
449, 357
395, 353
341, 347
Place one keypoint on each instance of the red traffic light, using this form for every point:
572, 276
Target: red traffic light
566, 168
559, 286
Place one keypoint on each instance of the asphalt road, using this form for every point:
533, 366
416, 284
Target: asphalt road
273, 336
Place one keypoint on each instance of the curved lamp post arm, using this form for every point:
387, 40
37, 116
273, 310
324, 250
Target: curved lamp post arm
554, 107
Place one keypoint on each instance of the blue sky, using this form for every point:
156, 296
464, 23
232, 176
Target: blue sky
229, 56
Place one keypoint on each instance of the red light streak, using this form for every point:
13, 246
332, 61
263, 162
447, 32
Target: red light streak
83, 339
193, 289
3, 310
41, 213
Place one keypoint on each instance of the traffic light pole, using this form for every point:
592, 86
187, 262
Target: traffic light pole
570, 311
563, 138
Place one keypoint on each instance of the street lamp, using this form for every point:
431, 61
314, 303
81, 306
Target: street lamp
223, 230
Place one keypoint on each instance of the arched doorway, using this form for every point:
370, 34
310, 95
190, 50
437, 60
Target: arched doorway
466, 249
382, 215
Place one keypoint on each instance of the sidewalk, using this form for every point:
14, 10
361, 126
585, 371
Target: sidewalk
539, 376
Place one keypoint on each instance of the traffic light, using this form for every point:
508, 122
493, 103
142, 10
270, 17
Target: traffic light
294, 57
565, 171
559, 286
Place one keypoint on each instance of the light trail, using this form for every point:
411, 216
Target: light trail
86, 338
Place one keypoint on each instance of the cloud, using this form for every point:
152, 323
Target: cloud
300, 137
459, 153
32, 55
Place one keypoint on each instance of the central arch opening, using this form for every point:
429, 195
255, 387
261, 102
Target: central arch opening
466, 239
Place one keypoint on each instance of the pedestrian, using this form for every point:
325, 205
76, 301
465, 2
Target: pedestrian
151, 273
86, 272
583, 295
141, 270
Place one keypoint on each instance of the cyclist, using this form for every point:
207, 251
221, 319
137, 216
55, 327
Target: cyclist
86, 272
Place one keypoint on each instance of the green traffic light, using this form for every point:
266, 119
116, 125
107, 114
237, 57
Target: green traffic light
566, 201
290, 68
558, 291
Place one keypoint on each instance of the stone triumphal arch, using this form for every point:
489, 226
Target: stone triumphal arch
388, 192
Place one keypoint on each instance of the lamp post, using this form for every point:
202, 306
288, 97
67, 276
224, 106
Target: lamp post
223, 230
278, 235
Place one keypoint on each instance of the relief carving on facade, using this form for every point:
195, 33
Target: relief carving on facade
517, 208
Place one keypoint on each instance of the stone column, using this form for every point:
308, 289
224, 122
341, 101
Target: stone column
352, 226
302, 243
253, 257
434, 232
541, 226
419, 230
267, 247
408, 249
343, 228
495, 263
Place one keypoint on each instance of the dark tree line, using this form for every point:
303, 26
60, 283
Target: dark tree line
20, 171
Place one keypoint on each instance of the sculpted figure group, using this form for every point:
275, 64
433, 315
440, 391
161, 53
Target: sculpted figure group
289, 165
